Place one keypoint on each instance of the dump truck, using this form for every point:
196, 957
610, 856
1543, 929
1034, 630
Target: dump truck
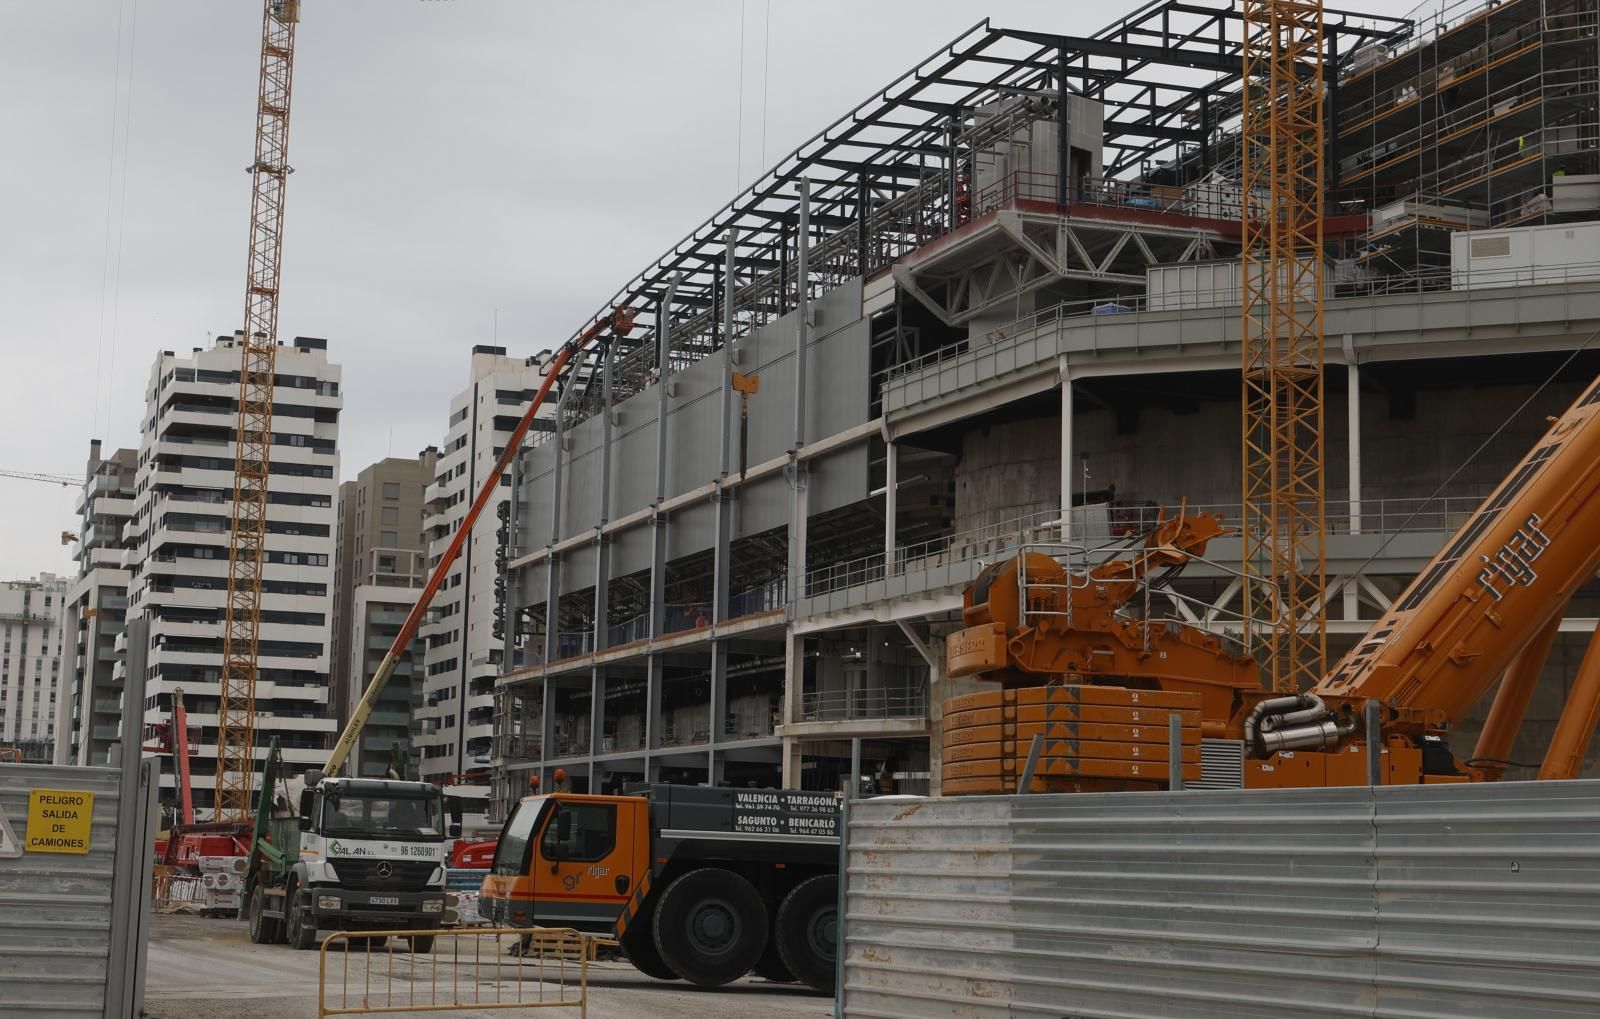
700, 883
333, 853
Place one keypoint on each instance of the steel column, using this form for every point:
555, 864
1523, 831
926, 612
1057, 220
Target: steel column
717, 708
1066, 452
1499, 732
724, 467
1063, 132
802, 313
597, 723
891, 481
654, 676
794, 681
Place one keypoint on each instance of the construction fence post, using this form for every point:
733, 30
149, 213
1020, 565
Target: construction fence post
1175, 752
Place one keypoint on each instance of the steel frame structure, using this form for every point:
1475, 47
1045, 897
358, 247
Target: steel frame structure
885, 178
253, 448
1284, 551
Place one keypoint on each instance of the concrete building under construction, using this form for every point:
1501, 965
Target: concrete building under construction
999, 302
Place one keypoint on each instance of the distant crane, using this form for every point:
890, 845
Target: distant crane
64, 480
241, 631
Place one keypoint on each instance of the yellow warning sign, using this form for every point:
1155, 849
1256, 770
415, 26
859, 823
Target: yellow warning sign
58, 821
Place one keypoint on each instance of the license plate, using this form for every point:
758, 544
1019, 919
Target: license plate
382, 900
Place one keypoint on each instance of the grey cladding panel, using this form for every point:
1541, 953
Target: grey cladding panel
837, 381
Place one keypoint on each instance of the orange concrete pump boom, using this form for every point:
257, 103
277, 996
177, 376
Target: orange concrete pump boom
618, 323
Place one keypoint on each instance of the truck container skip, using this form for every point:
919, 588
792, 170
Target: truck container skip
699, 883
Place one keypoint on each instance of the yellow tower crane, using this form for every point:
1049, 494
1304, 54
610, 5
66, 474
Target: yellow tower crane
257, 365
1284, 554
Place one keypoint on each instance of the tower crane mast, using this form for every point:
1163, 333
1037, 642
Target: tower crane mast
257, 366
1284, 555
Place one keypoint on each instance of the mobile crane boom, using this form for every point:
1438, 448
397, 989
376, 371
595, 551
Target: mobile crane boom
618, 323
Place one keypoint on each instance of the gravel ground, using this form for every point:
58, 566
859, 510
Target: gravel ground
208, 969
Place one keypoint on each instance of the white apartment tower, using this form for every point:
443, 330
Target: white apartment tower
463, 658
30, 664
181, 523
97, 604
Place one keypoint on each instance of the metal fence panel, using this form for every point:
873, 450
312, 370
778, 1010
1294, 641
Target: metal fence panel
929, 929
1489, 900
1252, 903
1460, 901
56, 908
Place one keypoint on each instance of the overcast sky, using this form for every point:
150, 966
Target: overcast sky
456, 161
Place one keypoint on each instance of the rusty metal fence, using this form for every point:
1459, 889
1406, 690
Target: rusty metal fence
467, 969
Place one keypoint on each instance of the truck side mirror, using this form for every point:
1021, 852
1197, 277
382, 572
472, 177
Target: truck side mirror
307, 802
563, 826
455, 829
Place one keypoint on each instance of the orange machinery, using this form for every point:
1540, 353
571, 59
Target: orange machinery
1487, 606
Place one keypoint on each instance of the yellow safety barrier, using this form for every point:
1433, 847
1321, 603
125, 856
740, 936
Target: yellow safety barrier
467, 969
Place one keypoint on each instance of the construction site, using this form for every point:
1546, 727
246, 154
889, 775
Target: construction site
1106, 527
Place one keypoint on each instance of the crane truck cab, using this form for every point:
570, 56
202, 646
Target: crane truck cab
704, 884
348, 854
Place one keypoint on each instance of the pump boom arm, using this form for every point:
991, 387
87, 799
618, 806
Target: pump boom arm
618, 323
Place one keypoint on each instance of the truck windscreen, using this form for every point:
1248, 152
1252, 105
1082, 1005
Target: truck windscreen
383, 815
511, 855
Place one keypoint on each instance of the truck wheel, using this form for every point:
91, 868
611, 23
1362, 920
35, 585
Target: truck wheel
771, 966
641, 951
807, 931
710, 926
263, 929
300, 930
421, 944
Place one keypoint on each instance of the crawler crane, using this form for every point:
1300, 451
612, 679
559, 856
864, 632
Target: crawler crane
1067, 652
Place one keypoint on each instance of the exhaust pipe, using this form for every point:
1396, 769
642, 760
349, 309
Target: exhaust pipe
1295, 722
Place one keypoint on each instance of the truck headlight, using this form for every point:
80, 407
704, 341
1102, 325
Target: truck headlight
433, 905
328, 902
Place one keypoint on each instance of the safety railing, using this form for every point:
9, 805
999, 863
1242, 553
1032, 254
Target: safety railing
1050, 320
870, 703
458, 970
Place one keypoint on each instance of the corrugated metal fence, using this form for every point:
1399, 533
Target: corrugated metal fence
66, 919
1427, 901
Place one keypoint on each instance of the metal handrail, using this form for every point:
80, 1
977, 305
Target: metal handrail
881, 702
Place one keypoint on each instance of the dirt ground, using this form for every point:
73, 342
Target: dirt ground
208, 969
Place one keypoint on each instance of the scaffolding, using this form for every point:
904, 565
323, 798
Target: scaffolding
1471, 122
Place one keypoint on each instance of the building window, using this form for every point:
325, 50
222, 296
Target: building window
391, 489
386, 564
391, 515
388, 539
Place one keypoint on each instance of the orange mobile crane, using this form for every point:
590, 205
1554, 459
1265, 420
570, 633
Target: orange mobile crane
1489, 604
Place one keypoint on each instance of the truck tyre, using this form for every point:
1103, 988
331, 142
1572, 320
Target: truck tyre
807, 931
771, 966
421, 944
264, 930
641, 951
299, 929
710, 926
